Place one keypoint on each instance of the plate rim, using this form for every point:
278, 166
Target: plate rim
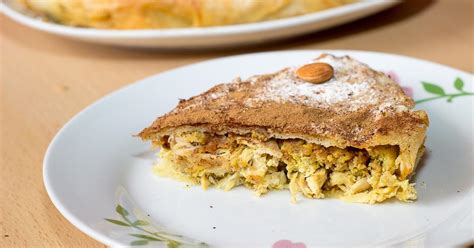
263, 26
76, 221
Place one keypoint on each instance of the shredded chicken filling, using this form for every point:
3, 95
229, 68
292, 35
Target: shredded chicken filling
356, 175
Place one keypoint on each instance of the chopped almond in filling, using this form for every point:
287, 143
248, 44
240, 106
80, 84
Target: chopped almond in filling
356, 175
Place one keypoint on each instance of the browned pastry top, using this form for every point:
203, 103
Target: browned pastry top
355, 105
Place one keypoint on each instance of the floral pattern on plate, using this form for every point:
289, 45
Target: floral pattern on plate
432, 88
143, 231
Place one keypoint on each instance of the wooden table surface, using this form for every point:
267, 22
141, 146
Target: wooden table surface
45, 80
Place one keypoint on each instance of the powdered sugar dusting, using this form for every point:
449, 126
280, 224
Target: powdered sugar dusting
345, 88
286, 88
214, 95
353, 86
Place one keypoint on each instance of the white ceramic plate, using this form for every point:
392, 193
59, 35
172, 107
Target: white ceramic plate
212, 36
94, 164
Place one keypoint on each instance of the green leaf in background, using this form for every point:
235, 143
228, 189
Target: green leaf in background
120, 210
433, 88
140, 223
173, 244
142, 236
117, 222
139, 242
459, 84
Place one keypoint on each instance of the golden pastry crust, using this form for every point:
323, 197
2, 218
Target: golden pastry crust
135, 14
358, 108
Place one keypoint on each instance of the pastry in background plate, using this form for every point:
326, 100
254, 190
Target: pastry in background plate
331, 128
150, 14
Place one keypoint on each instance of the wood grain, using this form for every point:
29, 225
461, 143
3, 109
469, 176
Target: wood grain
45, 80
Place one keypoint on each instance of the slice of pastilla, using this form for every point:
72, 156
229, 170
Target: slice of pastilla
331, 128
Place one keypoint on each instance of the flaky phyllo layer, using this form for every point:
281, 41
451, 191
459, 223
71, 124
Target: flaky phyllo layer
226, 161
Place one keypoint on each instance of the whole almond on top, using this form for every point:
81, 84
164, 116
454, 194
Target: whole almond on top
315, 73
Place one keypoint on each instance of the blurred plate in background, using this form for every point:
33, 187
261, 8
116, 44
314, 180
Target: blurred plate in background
208, 37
